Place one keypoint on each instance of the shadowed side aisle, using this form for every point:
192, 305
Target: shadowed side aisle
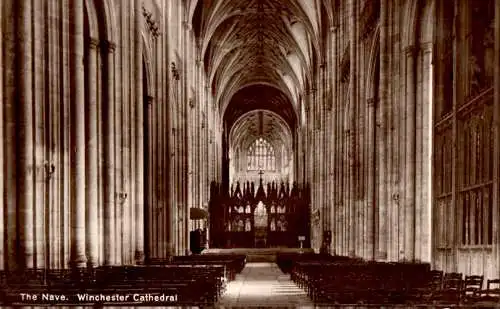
263, 284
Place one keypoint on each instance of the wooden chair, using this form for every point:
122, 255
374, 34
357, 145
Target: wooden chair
451, 291
426, 287
471, 286
491, 295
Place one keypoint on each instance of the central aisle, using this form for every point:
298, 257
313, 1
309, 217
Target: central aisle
263, 284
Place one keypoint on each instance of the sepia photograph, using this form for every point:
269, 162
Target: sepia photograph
250, 153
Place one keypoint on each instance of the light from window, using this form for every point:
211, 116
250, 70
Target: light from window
261, 156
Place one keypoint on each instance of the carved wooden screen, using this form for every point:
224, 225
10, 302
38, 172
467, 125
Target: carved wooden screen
283, 212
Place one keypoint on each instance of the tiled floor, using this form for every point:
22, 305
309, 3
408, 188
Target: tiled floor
263, 284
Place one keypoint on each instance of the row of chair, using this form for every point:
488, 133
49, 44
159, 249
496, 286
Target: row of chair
234, 263
193, 282
189, 285
454, 288
358, 282
286, 260
342, 280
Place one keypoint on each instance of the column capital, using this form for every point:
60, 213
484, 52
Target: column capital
93, 43
109, 46
426, 47
409, 50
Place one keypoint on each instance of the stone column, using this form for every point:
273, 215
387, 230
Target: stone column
335, 153
109, 162
149, 207
118, 149
25, 133
55, 157
423, 199
40, 133
139, 136
331, 81
496, 120
3, 252
91, 158
78, 258
381, 135
352, 157
370, 175
174, 165
324, 155
409, 194
393, 151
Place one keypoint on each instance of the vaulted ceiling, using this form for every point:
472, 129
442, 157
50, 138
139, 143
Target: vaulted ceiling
259, 54
260, 123
263, 97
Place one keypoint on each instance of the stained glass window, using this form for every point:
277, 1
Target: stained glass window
261, 156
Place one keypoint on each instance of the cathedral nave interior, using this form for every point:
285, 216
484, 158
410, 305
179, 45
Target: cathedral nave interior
259, 139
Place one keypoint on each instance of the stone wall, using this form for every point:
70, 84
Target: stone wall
107, 121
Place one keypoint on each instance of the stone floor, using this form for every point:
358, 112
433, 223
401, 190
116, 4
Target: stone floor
263, 285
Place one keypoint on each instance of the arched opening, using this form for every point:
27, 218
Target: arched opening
261, 225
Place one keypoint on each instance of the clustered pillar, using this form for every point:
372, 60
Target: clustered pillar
377, 185
109, 158
25, 189
138, 138
91, 159
78, 258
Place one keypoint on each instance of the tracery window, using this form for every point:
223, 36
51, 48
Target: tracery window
261, 156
